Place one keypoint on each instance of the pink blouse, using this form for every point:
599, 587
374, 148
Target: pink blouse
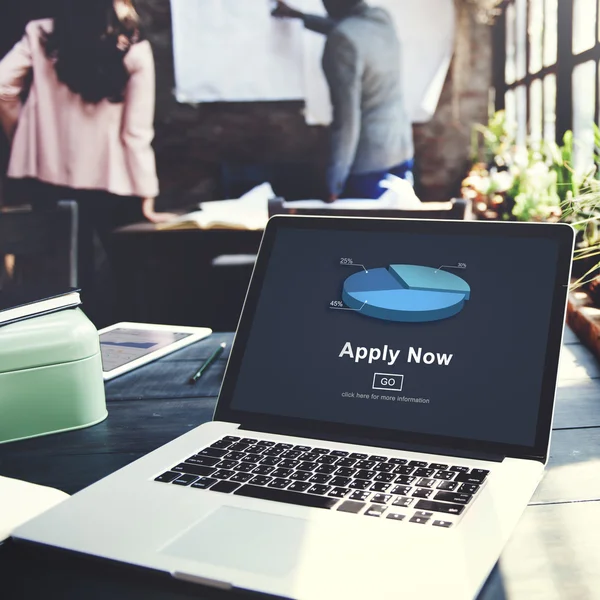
62, 140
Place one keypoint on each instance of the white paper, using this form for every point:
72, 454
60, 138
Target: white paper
234, 51
21, 501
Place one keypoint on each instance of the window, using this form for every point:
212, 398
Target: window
551, 82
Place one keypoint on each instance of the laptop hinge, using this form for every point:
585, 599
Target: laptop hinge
396, 445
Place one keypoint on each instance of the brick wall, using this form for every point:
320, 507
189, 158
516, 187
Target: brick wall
193, 142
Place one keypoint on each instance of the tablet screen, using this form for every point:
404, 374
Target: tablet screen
122, 346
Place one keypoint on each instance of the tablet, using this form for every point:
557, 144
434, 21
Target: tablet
127, 346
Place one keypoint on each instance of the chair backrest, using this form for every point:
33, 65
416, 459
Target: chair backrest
456, 209
43, 243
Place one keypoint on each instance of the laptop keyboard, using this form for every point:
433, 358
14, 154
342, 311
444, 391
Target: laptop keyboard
375, 485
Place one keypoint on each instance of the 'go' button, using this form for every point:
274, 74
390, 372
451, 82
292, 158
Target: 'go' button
388, 381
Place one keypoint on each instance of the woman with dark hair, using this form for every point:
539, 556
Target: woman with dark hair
86, 127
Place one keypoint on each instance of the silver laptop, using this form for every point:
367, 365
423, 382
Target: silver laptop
384, 419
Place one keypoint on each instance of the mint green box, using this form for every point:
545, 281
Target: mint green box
50, 376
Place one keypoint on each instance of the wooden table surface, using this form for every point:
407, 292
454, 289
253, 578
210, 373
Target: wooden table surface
553, 554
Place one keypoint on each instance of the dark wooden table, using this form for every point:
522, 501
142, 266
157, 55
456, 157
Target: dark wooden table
553, 554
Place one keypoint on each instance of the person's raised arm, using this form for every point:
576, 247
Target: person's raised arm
315, 23
14, 68
343, 73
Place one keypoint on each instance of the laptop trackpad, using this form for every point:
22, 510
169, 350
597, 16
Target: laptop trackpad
242, 539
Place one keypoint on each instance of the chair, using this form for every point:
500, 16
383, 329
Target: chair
43, 244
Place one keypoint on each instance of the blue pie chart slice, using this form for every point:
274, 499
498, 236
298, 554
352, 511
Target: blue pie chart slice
406, 293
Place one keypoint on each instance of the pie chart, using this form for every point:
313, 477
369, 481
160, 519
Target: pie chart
406, 293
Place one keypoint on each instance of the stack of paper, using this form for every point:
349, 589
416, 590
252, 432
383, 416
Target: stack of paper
251, 211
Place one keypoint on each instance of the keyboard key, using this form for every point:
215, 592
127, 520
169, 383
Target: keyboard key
365, 464
260, 480
423, 472
245, 467
270, 461
384, 477
326, 469
207, 461
203, 483
340, 481
279, 483
253, 458
404, 480
460, 469
238, 447
453, 497
469, 478
479, 473
284, 446
327, 459
292, 454
306, 466
318, 489
338, 492
227, 464
401, 490
381, 498
438, 466
442, 523
221, 444
321, 450
428, 483
422, 493
339, 453
384, 467
359, 484
212, 452
397, 461
358, 455
395, 516
302, 448
265, 443
231, 438
274, 451
309, 457
222, 474
241, 477
248, 441
421, 520
320, 478
184, 479
451, 509
404, 502
346, 462
468, 488
374, 510
358, 495
380, 487
404, 470
287, 496
167, 477
344, 472
194, 469
225, 486
446, 475
417, 463
448, 486
351, 507
364, 474
421, 513
263, 470
299, 486
286, 463
233, 456
256, 449
300, 475
378, 458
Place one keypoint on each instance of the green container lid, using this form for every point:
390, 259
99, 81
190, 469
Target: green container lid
56, 338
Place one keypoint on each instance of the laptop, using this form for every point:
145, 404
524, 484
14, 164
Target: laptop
383, 422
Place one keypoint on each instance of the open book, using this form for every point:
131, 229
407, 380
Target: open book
250, 211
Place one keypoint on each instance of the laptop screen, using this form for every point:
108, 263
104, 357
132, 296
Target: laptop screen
434, 334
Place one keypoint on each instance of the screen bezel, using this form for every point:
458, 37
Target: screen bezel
563, 234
